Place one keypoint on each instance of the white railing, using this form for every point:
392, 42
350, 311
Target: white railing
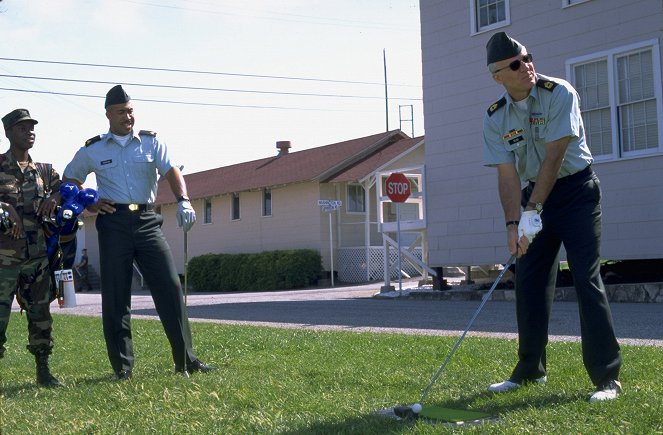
353, 263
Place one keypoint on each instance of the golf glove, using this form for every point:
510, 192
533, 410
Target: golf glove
530, 224
186, 216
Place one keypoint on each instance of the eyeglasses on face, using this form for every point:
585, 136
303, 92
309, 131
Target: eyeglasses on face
515, 65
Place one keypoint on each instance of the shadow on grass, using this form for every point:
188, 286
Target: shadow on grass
380, 424
30, 387
361, 424
481, 401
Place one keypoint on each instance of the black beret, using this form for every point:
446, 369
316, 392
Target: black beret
501, 46
116, 96
16, 116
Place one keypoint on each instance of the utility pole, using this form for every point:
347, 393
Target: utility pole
386, 97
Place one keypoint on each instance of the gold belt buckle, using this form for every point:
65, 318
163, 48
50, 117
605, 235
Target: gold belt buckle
133, 207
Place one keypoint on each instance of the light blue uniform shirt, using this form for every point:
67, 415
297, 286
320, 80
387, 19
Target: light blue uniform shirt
512, 135
125, 174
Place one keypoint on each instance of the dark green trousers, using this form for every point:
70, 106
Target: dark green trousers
125, 236
572, 216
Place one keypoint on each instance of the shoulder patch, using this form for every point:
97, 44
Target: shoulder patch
548, 85
496, 105
92, 140
147, 132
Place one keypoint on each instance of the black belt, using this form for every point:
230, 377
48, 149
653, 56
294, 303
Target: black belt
588, 171
133, 207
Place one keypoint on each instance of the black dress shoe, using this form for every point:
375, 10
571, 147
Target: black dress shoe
196, 366
122, 375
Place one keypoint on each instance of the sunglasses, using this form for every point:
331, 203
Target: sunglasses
515, 65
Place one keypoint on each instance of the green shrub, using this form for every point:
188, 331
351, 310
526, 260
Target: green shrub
271, 270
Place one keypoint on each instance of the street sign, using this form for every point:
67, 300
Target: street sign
397, 187
330, 203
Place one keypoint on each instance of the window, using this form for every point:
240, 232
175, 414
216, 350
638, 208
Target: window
620, 102
266, 202
489, 14
567, 3
207, 217
235, 206
356, 199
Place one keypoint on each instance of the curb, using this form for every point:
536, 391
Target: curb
651, 292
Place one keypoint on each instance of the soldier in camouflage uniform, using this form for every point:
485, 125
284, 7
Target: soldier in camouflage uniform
24, 272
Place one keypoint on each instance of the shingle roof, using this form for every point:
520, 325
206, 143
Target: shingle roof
343, 161
374, 161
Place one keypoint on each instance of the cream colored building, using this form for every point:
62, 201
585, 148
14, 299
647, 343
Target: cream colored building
274, 204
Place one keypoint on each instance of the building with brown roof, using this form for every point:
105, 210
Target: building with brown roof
274, 203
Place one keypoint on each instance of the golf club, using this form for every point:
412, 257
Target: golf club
410, 412
185, 372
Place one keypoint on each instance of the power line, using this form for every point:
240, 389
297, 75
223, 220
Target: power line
286, 17
198, 88
192, 103
144, 68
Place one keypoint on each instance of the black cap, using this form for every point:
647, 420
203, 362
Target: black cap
501, 46
16, 116
116, 96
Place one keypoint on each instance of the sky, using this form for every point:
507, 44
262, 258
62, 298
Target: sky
220, 81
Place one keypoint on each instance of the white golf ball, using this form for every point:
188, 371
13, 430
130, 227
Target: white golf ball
416, 408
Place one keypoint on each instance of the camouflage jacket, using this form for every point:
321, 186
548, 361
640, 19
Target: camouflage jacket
25, 191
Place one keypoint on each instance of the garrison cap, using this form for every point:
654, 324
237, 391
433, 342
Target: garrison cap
501, 46
116, 95
16, 116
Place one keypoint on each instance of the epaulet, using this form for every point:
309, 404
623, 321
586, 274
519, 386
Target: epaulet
92, 140
147, 132
548, 85
496, 105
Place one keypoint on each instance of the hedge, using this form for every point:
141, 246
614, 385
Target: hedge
271, 270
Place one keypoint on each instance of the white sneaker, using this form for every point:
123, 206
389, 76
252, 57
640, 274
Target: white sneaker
608, 391
503, 387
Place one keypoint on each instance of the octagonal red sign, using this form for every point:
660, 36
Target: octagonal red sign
398, 187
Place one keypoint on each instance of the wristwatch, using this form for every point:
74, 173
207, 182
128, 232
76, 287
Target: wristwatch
536, 206
183, 198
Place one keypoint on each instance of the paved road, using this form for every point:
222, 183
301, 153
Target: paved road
355, 308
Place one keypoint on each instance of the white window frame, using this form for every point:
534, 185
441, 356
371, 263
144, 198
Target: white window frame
611, 56
348, 202
474, 17
265, 212
569, 3
207, 202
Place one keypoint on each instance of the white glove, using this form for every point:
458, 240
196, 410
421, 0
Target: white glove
186, 216
530, 224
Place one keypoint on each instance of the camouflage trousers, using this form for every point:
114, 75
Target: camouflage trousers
30, 281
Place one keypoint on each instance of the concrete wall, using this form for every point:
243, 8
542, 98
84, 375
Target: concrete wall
465, 219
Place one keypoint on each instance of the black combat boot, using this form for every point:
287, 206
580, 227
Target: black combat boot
44, 376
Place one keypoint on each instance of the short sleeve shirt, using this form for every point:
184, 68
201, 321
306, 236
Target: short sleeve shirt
512, 135
125, 173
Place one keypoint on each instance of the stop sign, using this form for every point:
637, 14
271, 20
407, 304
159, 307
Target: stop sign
398, 187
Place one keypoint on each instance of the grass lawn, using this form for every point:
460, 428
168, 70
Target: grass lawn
300, 382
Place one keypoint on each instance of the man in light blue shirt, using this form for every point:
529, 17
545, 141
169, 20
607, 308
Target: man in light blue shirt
534, 135
126, 165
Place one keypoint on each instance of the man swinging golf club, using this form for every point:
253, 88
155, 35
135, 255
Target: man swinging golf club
534, 135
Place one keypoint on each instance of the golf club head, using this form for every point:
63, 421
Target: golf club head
405, 412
